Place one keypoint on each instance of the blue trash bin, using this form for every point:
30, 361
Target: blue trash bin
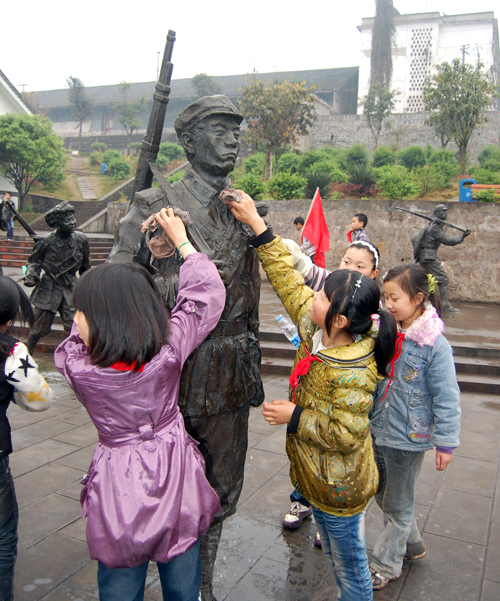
465, 194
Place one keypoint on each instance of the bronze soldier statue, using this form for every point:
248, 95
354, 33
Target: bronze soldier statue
426, 244
60, 255
221, 378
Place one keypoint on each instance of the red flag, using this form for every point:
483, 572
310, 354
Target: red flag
316, 230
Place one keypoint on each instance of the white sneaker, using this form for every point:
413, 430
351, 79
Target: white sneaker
295, 516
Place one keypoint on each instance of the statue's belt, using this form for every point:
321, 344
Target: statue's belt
229, 328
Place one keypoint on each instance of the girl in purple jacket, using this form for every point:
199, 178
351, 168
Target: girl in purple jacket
145, 495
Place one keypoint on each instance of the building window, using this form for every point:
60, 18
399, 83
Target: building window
420, 66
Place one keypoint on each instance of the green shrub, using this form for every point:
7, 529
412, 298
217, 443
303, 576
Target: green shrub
488, 153
162, 161
383, 156
485, 176
288, 162
171, 151
109, 155
442, 156
447, 171
98, 147
95, 158
362, 175
118, 168
427, 179
318, 179
252, 184
135, 147
175, 177
395, 182
286, 186
412, 157
255, 163
491, 165
355, 155
487, 195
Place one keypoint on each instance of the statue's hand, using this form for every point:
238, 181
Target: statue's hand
30, 281
465, 234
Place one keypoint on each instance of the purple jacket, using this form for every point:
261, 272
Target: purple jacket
145, 495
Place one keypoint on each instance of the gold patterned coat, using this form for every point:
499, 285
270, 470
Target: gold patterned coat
331, 453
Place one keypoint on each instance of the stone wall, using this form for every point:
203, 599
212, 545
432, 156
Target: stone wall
473, 267
406, 129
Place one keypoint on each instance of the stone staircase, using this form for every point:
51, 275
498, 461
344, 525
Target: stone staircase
17, 252
84, 210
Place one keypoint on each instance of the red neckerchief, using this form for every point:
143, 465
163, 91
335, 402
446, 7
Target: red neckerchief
397, 353
301, 369
122, 366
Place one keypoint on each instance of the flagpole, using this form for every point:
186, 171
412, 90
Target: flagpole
311, 206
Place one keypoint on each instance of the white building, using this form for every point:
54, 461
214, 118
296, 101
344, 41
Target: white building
11, 101
424, 40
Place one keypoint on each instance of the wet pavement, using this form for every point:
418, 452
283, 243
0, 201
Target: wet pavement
458, 511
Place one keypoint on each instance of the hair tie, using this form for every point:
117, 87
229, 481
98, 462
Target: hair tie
376, 318
432, 283
370, 246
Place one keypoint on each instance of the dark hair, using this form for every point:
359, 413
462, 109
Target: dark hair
13, 302
126, 315
58, 213
369, 247
412, 279
362, 217
357, 297
298, 220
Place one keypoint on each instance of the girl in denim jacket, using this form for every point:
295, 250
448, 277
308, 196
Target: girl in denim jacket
414, 411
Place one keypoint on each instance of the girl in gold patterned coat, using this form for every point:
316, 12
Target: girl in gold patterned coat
346, 344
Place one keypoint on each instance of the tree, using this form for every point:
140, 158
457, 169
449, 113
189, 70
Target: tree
377, 106
205, 85
81, 105
277, 115
381, 52
30, 151
128, 111
459, 95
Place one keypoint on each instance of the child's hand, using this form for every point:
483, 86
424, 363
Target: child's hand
278, 412
172, 225
246, 212
442, 460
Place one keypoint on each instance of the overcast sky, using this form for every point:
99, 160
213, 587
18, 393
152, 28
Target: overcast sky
108, 41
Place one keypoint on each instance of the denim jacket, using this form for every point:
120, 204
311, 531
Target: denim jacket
422, 406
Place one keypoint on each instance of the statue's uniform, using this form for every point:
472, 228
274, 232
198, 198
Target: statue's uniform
221, 378
432, 238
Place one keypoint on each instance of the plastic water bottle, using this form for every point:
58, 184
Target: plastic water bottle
289, 330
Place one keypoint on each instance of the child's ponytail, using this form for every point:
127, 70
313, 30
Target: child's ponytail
357, 297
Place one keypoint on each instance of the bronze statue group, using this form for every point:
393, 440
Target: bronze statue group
163, 353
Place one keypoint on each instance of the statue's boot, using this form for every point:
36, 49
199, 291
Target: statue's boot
445, 301
31, 342
208, 553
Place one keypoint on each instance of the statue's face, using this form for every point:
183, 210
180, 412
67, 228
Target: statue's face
68, 224
441, 213
218, 147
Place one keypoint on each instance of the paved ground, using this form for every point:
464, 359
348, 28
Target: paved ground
459, 512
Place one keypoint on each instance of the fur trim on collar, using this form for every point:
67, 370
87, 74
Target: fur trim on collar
427, 328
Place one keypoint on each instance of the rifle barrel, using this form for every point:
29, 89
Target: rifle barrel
435, 219
152, 138
21, 220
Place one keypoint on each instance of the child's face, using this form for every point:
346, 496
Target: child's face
399, 303
298, 226
82, 326
356, 224
359, 259
319, 308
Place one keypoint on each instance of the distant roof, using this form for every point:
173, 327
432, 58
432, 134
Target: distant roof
15, 91
325, 80
433, 16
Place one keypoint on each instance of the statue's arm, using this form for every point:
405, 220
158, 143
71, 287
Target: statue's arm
86, 264
444, 239
35, 262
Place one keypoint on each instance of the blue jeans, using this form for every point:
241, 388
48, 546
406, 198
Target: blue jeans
10, 229
296, 497
343, 542
8, 530
398, 474
180, 579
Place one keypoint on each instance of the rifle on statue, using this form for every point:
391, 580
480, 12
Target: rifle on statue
152, 138
21, 220
434, 219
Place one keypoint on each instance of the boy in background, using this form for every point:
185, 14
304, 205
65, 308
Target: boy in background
358, 232
306, 247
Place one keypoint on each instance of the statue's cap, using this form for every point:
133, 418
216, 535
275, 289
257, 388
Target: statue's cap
204, 107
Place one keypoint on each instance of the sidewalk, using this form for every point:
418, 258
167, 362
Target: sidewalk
257, 560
